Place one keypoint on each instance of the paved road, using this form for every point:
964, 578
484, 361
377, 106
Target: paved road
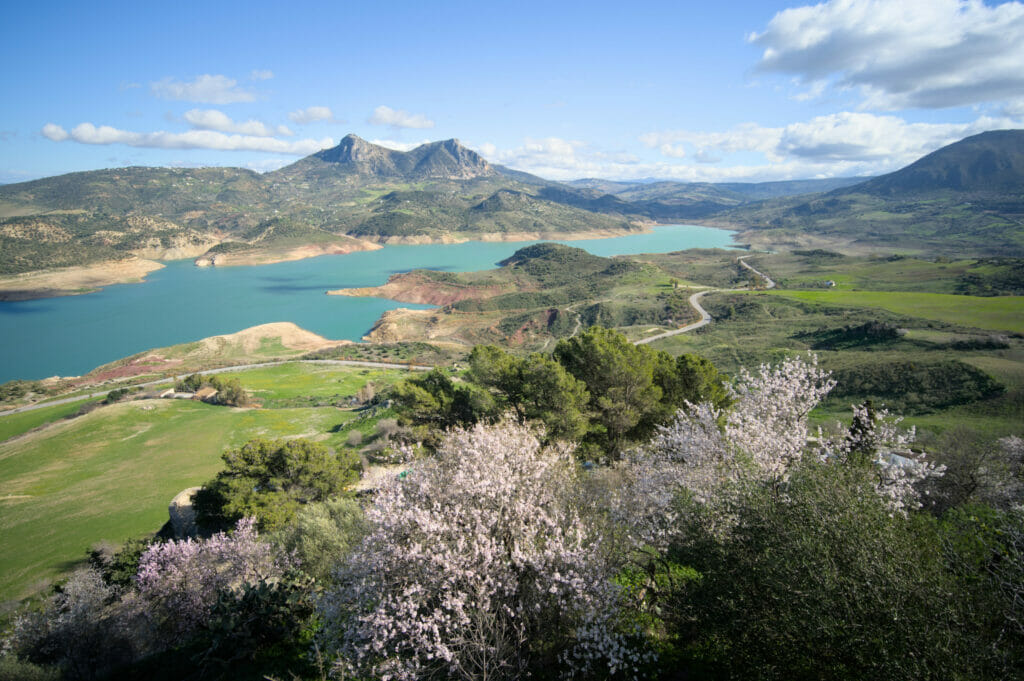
705, 318
768, 283
239, 367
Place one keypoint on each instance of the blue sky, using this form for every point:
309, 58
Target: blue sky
721, 91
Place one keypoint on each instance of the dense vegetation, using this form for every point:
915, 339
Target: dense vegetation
727, 545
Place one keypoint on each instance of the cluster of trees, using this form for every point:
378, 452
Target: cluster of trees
597, 389
730, 542
229, 390
269, 480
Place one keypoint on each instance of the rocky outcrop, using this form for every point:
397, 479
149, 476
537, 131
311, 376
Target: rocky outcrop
182, 514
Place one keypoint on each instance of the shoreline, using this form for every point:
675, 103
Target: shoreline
74, 281
84, 279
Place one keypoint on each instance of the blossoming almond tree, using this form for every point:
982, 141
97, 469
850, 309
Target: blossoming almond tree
182, 579
713, 455
477, 567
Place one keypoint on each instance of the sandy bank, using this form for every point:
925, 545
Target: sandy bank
413, 287
269, 257
69, 281
450, 238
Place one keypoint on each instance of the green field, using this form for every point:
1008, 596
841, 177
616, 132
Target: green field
999, 313
17, 424
110, 474
318, 383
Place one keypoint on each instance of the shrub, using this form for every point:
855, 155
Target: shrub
269, 480
477, 566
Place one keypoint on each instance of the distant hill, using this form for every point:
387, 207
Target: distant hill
356, 189
667, 200
964, 199
989, 163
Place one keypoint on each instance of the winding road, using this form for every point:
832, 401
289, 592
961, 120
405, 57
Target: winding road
705, 318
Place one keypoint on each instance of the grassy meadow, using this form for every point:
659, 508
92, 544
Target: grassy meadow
995, 313
110, 474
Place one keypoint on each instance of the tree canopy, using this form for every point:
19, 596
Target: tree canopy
270, 479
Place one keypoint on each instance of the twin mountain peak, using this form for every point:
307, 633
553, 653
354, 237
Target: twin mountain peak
447, 159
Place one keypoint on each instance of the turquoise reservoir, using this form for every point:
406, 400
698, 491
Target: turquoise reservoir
181, 303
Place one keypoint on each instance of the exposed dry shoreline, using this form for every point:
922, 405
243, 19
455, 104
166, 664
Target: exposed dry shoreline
642, 227
71, 281
270, 257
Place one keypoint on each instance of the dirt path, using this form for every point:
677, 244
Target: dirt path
694, 301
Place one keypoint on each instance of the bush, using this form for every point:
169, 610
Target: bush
821, 582
270, 480
477, 566
323, 534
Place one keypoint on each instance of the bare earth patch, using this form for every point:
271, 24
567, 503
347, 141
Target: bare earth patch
69, 281
291, 336
413, 287
269, 257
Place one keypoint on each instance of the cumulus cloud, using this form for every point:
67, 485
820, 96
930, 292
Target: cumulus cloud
211, 119
311, 114
561, 159
261, 74
828, 145
845, 136
205, 89
396, 118
744, 137
87, 133
54, 132
901, 53
837, 145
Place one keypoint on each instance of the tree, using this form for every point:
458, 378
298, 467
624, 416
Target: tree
269, 480
322, 534
477, 566
434, 399
182, 580
534, 388
823, 582
620, 379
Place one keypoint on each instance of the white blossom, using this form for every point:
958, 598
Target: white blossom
474, 557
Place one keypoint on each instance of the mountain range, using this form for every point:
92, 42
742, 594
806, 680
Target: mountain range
968, 196
964, 199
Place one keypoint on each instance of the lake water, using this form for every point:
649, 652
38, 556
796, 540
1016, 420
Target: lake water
181, 303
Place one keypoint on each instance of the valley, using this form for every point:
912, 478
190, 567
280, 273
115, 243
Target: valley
364, 299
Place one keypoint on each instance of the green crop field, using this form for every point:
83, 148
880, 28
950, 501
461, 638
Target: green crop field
110, 474
17, 424
288, 382
998, 313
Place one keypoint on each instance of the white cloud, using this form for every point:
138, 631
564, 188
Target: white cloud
557, 158
87, 133
396, 118
261, 74
206, 89
744, 137
311, 114
848, 137
901, 53
55, 132
837, 145
211, 119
